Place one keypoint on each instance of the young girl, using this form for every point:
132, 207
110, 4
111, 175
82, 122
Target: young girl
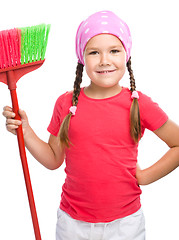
96, 129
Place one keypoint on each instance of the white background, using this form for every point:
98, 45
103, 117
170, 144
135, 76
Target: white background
154, 28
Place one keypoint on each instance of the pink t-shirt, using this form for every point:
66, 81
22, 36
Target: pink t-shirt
100, 184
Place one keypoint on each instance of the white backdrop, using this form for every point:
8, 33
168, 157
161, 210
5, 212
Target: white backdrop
154, 27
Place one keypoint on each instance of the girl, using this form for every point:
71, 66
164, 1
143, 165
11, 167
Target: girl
98, 128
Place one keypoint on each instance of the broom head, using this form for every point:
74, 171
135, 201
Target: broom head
22, 50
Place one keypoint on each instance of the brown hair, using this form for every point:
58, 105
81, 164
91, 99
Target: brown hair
63, 133
135, 126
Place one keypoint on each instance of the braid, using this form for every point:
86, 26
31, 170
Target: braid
63, 133
135, 125
78, 80
132, 79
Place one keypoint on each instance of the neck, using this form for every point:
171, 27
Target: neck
97, 92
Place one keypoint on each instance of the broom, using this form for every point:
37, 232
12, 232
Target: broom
22, 50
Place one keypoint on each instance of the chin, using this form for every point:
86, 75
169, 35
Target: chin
108, 85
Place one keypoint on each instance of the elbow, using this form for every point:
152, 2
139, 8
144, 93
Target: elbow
55, 165
175, 150
52, 168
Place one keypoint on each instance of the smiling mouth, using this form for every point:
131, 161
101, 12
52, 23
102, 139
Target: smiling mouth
105, 71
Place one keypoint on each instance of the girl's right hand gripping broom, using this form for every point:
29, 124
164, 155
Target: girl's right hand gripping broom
22, 50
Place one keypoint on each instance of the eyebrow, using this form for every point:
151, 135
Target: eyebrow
111, 47
117, 46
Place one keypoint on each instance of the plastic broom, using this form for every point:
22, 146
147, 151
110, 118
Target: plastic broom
22, 50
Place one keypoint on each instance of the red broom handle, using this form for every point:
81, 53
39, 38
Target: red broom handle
24, 160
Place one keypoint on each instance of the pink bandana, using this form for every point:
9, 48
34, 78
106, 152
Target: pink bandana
98, 23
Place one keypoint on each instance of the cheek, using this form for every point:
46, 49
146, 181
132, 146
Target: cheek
121, 66
122, 63
122, 59
88, 70
89, 65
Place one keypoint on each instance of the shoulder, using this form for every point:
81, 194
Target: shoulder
65, 98
63, 103
143, 98
151, 114
146, 103
65, 95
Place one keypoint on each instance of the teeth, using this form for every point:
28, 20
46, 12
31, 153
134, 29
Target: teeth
105, 71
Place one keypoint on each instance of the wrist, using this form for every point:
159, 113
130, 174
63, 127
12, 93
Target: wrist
27, 132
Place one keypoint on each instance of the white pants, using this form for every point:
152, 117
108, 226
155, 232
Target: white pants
131, 227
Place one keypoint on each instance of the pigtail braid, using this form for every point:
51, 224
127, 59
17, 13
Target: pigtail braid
135, 125
63, 133
77, 83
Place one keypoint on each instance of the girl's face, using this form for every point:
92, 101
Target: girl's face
105, 60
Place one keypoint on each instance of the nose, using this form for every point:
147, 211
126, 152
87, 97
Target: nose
104, 59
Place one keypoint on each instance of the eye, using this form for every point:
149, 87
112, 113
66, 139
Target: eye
115, 51
93, 53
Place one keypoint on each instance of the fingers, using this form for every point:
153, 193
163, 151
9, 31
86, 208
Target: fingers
11, 123
8, 112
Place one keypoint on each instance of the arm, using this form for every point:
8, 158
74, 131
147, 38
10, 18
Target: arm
169, 133
48, 154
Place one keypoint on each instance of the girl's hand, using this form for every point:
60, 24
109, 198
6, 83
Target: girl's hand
11, 123
48, 154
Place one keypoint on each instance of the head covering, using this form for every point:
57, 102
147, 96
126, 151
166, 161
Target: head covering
98, 23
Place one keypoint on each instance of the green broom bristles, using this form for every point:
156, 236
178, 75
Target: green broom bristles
20, 46
33, 43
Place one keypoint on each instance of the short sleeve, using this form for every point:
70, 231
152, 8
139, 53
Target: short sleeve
152, 116
56, 119
59, 112
55, 122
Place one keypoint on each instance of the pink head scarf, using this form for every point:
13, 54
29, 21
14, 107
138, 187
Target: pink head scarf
98, 23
